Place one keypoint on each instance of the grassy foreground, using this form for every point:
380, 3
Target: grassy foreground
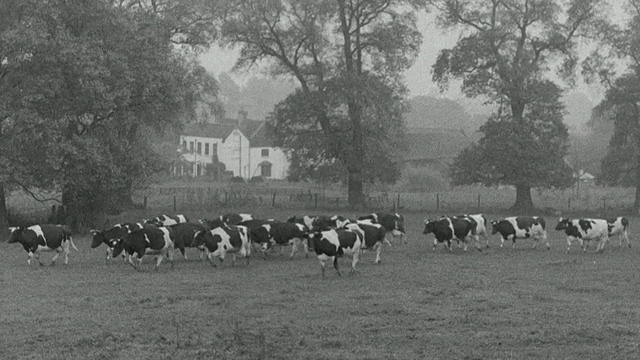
417, 304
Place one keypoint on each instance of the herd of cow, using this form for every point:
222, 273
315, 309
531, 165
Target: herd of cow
330, 237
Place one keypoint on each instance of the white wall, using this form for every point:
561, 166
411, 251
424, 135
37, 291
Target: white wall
233, 152
277, 157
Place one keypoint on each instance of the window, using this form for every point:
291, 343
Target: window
265, 152
191, 146
206, 149
265, 170
199, 148
184, 144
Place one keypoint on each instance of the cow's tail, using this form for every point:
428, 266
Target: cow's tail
72, 244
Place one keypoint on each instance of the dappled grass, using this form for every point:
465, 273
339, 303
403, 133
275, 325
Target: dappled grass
495, 304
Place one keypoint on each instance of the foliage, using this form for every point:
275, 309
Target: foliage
81, 84
334, 50
504, 54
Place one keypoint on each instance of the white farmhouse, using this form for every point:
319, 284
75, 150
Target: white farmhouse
241, 145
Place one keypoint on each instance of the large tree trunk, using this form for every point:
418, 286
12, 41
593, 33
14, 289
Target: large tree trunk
4, 215
523, 198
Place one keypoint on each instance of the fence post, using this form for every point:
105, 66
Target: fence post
437, 202
316, 201
273, 201
569, 203
144, 204
478, 201
604, 203
398, 207
175, 203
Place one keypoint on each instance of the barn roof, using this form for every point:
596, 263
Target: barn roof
434, 144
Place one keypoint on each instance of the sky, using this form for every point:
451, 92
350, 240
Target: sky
417, 78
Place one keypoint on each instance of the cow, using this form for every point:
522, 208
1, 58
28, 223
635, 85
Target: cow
167, 220
393, 222
374, 236
224, 239
332, 244
306, 220
582, 230
227, 219
281, 233
45, 237
110, 236
446, 229
184, 234
149, 240
521, 227
481, 225
619, 226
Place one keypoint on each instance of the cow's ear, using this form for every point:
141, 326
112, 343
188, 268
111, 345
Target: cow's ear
94, 231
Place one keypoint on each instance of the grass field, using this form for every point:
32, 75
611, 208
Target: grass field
416, 304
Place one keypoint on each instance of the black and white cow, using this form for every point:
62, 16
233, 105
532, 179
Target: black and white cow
150, 240
46, 237
447, 229
225, 239
306, 220
585, 230
281, 233
374, 236
481, 225
167, 220
227, 219
110, 236
393, 222
521, 227
619, 226
184, 233
332, 244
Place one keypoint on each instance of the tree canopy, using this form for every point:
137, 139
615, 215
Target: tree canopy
504, 54
81, 84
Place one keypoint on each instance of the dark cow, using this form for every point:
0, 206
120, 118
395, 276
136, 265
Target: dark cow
393, 222
374, 236
281, 233
110, 236
582, 230
446, 229
224, 239
521, 227
46, 237
184, 233
619, 226
306, 220
150, 240
167, 220
332, 244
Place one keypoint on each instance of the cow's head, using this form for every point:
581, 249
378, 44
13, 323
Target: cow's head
98, 238
562, 224
198, 238
118, 247
429, 226
16, 233
494, 226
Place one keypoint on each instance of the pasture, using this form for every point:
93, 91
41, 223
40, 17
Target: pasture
416, 304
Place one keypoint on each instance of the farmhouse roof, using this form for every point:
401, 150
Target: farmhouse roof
261, 137
207, 130
434, 144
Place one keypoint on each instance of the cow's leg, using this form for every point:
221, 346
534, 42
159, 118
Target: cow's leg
546, 240
502, 241
449, 245
386, 239
183, 252
37, 255
29, 257
354, 260
159, 258
486, 238
65, 250
210, 258
335, 265
378, 250
568, 243
626, 236
294, 247
56, 256
109, 251
322, 265
513, 238
435, 243
170, 257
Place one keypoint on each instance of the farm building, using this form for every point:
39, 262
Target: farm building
240, 146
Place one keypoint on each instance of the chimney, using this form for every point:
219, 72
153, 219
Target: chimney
242, 116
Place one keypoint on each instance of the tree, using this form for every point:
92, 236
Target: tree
504, 53
322, 44
81, 82
621, 165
